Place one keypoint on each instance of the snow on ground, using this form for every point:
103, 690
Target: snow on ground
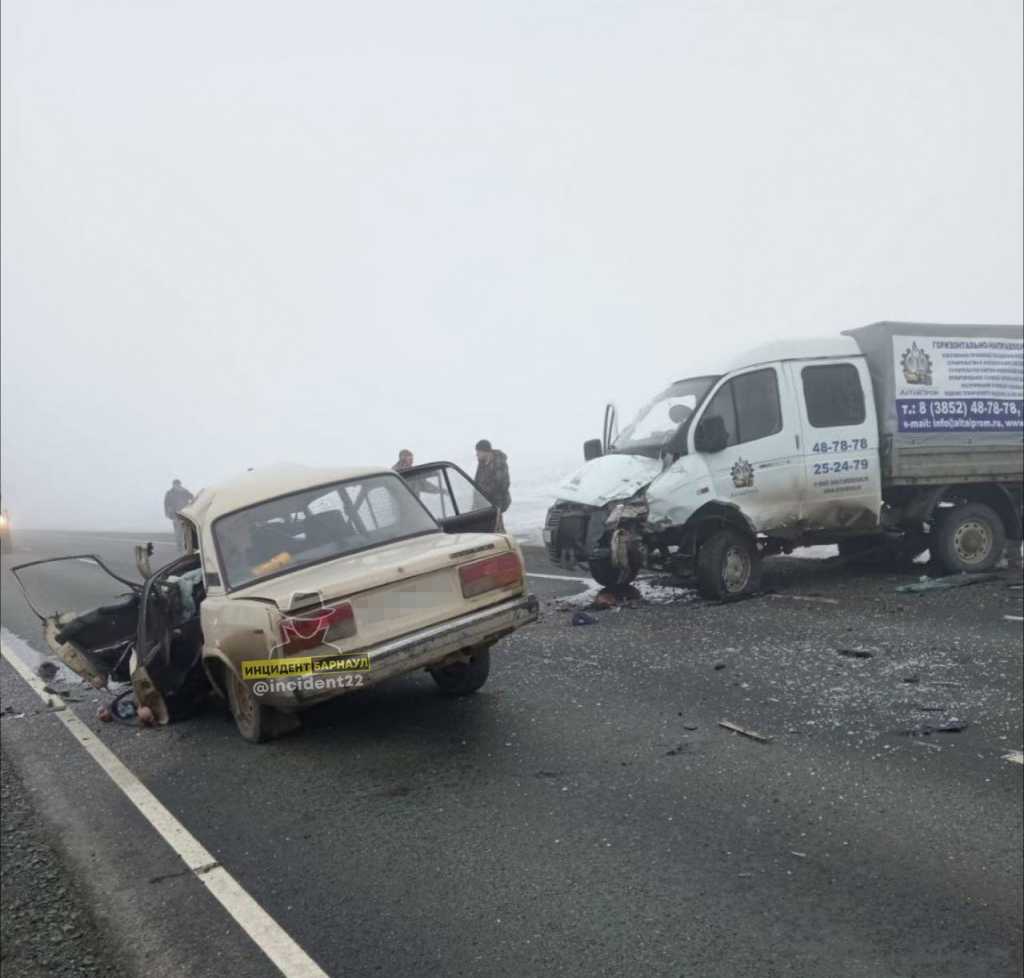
533, 492
650, 593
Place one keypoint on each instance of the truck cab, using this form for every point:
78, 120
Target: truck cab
786, 448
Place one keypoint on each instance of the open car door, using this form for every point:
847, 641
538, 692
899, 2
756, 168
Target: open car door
167, 672
95, 643
453, 498
146, 632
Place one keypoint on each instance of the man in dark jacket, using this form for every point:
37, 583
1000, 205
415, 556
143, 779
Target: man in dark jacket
492, 474
175, 499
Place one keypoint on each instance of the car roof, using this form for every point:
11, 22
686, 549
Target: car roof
267, 482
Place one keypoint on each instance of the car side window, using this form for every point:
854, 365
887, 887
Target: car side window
467, 497
833, 395
723, 406
758, 410
749, 405
431, 490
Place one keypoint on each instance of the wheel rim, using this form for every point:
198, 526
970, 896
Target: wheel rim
243, 703
736, 570
972, 541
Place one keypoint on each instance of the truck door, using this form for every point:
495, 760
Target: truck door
839, 443
759, 469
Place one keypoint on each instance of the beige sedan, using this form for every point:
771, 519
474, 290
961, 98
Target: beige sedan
304, 584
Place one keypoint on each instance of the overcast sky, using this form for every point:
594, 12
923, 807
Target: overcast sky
237, 233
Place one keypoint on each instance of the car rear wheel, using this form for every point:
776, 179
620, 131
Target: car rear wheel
252, 717
728, 566
463, 678
970, 539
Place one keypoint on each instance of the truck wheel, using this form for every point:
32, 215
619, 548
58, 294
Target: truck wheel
728, 566
252, 717
608, 575
463, 678
969, 539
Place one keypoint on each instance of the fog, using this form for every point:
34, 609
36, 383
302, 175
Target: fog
239, 233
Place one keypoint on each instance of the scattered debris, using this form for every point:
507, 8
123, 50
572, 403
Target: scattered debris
690, 726
1014, 757
929, 709
1014, 617
46, 671
925, 729
856, 653
912, 678
719, 666
678, 749
752, 734
582, 618
641, 592
945, 583
800, 855
616, 597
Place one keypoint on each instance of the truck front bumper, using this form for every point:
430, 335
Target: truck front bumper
418, 650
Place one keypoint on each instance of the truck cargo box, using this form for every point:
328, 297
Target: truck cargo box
950, 401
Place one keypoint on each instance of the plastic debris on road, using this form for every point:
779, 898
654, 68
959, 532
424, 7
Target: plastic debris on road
945, 583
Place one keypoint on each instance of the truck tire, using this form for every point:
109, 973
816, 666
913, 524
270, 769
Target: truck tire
463, 678
728, 566
608, 575
969, 539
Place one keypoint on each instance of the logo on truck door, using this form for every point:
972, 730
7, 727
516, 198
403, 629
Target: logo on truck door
742, 474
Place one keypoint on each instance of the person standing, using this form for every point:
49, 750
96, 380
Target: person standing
492, 474
405, 461
175, 499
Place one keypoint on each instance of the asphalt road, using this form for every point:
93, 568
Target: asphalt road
585, 814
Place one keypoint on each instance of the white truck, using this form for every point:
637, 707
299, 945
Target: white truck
888, 440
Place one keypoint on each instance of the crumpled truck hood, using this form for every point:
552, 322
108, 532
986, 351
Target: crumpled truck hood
607, 478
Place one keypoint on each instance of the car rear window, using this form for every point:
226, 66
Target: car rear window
315, 525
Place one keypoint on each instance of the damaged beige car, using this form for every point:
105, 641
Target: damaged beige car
304, 584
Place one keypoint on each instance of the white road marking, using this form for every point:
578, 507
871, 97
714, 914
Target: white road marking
1014, 617
564, 577
806, 597
265, 932
1014, 757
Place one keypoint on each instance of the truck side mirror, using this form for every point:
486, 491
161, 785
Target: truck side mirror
711, 436
592, 449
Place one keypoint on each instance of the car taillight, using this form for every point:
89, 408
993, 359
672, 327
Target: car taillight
486, 575
310, 629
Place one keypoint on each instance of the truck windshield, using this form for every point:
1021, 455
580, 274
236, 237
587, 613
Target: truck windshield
658, 420
316, 525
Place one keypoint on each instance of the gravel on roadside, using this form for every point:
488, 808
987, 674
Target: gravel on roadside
47, 927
